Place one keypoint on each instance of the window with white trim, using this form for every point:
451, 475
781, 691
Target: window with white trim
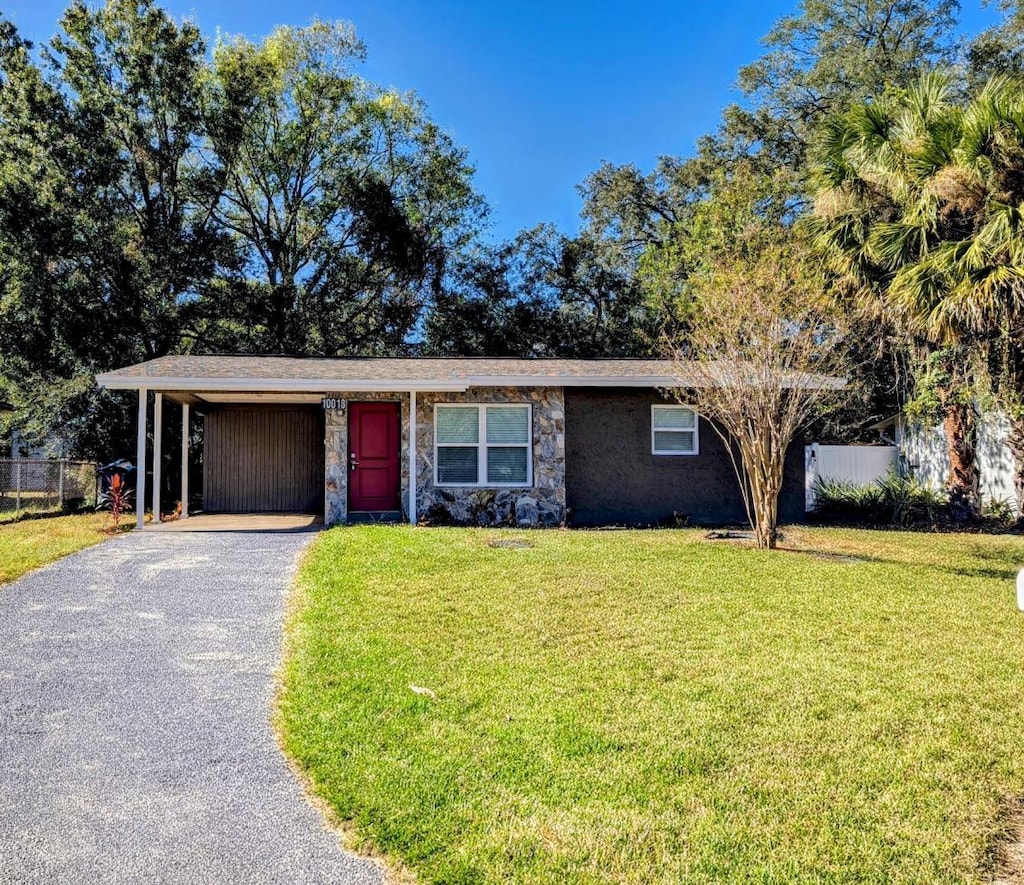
673, 430
483, 445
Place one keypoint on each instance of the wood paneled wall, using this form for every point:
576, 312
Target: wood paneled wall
263, 459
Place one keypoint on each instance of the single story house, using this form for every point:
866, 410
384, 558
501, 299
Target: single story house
526, 442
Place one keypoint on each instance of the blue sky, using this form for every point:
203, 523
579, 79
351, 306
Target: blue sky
540, 93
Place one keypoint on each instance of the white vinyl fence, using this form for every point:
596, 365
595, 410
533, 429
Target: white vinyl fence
861, 465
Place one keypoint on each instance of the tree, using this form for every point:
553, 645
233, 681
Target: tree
154, 201
346, 201
972, 288
762, 337
106, 233
34, 121
602, 311
919, 206
541, 294
998, 50
764, 349
496, 302
831, 55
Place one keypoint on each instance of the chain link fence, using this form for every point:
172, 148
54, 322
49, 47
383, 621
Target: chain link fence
40, 485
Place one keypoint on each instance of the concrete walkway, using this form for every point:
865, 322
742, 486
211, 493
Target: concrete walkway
136, 681
240, 522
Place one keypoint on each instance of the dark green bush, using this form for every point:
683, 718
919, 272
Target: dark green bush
891, 500
1001, 511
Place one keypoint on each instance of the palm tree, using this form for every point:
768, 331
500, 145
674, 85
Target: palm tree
987, 272
918, 205
982, 274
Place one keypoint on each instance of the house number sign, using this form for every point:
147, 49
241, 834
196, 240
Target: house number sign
333, 402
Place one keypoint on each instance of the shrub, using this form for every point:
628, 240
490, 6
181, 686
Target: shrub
117, 498
893, 500
1002, 511
842, 497
909, 501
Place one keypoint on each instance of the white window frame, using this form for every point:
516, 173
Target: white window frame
481, 445
695, 431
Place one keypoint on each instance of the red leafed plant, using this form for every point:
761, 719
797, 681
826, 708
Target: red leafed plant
117, 498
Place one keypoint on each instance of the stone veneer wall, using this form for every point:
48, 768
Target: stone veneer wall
336, 453
541, 505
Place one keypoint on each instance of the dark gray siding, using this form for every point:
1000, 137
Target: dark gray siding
613, 479
263, 459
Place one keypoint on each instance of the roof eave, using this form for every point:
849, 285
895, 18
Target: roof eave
271, 385
114, 381
573, 381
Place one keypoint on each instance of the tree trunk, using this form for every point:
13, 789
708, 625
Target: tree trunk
766, 514
961, 427
766, 529
1015, 443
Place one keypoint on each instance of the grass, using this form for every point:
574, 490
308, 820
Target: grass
9, 516
32, 543
651, 707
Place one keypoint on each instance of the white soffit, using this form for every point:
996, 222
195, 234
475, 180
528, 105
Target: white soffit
232, 388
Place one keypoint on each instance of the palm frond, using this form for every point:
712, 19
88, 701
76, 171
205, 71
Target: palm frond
894, 245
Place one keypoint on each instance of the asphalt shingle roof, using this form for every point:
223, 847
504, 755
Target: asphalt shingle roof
324, 374
334, 370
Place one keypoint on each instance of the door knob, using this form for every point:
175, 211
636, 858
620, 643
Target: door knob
353, 462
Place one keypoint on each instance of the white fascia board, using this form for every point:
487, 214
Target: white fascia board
572, 381
112, 381
659, 381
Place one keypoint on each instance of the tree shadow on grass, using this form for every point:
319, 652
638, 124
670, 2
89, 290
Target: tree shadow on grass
1004, 573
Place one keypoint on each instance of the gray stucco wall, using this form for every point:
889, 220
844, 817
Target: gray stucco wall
613, 479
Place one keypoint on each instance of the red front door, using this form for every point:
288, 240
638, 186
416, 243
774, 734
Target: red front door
374, 478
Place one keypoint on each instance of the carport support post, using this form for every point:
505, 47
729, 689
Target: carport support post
184, 460
412, 457
158, 432
140, 462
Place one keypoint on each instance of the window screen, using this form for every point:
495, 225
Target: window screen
673, 430
483, 445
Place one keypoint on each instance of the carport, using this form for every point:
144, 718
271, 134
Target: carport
262, 453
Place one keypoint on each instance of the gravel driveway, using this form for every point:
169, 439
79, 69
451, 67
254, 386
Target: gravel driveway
136, 680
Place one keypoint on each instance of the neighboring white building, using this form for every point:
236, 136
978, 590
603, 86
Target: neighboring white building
923, 453
51, 450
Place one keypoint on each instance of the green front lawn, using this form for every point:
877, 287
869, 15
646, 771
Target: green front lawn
32, 543
643, 707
